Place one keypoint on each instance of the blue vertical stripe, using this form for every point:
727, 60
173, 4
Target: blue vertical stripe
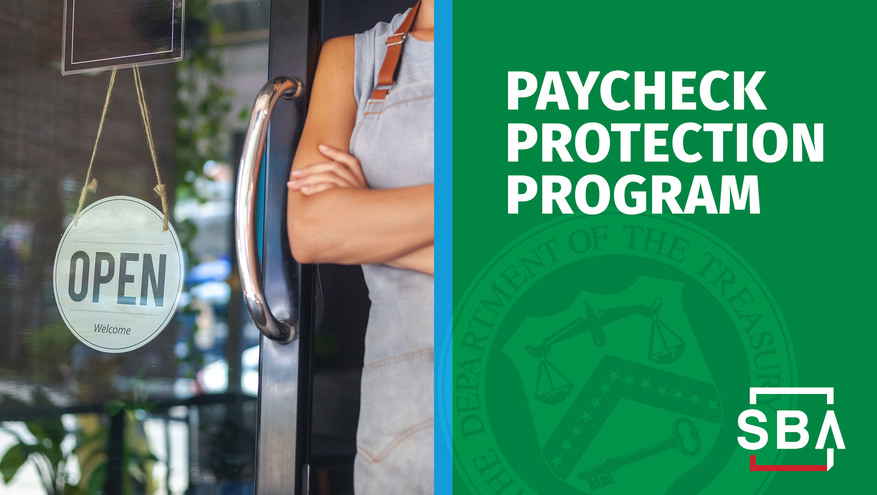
443, 244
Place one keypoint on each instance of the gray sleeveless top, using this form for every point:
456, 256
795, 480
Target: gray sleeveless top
393, 141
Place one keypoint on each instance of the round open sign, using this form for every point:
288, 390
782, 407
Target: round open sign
118, 277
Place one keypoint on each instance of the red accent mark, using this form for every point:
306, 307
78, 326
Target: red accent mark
806, 467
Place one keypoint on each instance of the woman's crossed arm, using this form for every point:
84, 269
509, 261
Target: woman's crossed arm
332, 216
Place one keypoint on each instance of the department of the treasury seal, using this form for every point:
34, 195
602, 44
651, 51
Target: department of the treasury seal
606, 355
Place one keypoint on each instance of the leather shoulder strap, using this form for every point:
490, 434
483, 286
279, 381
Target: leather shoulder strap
390, 67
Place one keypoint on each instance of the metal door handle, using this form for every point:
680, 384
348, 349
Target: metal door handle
245, 208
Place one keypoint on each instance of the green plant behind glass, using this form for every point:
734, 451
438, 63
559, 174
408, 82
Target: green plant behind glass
46, 451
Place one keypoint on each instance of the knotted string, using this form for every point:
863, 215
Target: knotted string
144, 111
91, 183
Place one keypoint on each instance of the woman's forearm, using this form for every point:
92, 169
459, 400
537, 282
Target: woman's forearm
422, 260
348, 225
352, 226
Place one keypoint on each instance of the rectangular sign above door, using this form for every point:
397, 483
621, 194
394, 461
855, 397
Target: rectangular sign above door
102, 34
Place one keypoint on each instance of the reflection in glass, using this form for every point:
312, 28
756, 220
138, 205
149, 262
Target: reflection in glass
178, 415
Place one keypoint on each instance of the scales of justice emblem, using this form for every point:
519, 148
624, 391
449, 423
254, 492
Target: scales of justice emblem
621, 396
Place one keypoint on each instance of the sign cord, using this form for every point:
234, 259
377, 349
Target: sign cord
144, 111
90, 182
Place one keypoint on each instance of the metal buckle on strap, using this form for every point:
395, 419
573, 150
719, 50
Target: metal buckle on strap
401, 36
384, 87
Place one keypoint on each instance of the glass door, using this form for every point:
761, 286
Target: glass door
179, 414
209, 405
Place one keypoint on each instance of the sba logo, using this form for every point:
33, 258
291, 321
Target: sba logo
791, 428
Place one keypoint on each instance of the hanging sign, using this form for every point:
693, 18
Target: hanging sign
118, 276
102, 34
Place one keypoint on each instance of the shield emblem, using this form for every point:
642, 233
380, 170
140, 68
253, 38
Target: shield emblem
618, 388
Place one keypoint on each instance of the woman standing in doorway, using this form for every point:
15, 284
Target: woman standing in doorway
361, 193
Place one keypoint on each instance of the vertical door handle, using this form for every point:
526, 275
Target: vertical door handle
245, 208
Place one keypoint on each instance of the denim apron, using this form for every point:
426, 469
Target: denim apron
393, 140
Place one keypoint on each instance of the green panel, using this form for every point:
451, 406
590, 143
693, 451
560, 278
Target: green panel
612, 353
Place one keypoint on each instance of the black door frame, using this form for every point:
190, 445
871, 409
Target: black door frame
284, 391
292, 291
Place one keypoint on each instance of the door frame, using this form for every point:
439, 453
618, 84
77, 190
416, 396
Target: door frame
292, 291
284, 369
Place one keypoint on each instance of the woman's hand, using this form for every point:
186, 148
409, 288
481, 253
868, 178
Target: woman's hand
343, 170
